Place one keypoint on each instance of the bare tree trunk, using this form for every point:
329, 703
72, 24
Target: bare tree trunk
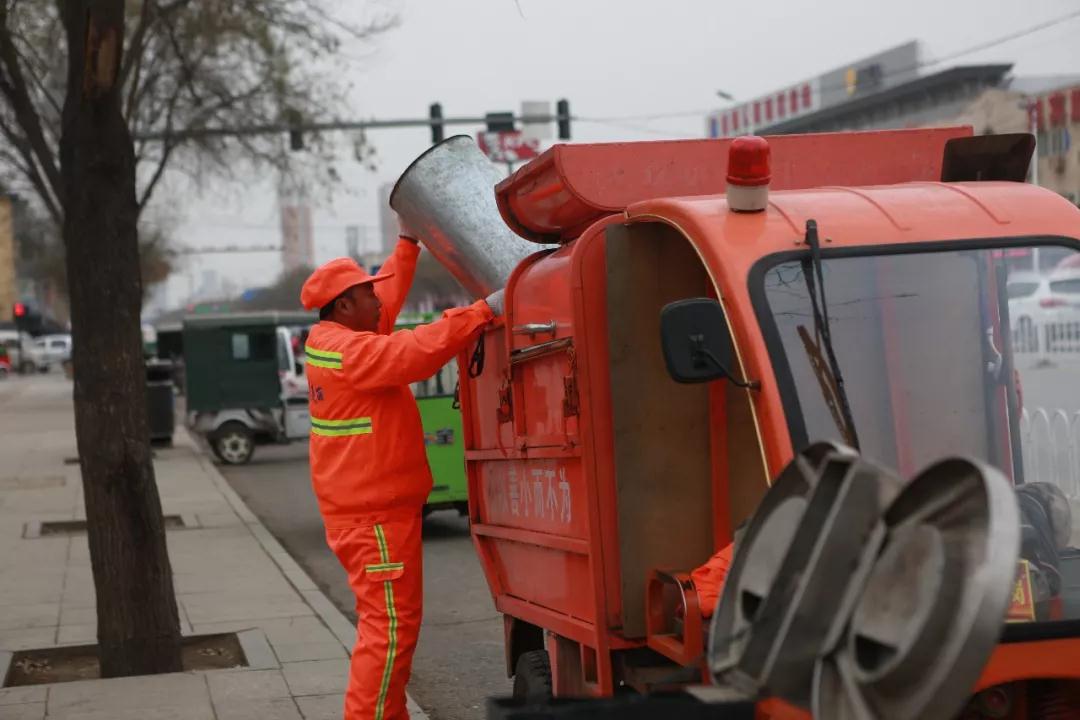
138, 627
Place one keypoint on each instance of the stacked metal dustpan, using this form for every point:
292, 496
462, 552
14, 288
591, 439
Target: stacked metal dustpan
858, 596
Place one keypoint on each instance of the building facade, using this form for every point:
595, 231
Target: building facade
887, 91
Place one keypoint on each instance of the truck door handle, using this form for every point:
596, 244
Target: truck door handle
534, 329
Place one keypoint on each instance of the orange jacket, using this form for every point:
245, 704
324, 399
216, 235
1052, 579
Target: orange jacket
367, 443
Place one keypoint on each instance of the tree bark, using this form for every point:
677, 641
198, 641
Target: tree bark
138, 626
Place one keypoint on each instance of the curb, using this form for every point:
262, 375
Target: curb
333, 618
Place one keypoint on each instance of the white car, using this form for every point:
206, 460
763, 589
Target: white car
48, 350
1043, 308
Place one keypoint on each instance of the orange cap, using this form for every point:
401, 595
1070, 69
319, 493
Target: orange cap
332, 279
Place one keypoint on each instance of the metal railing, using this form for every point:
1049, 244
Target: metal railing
1050, 440
1046, 339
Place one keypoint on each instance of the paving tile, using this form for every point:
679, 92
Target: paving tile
316, 677
210, 581
78, 615
19, 617
20, 695
279, 709
31, 589
322, 707
233, 687
130, 693
26, 711
77, 634
218, 607
78, 597
189, 712
297, 652
340, 627
27, 639
219, 519
279, 631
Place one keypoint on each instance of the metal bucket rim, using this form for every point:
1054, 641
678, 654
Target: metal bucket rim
421, 156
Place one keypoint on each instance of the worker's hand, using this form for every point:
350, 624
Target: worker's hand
405, 231
495, 302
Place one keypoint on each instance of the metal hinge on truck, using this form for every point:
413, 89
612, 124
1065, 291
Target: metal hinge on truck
505, 410
570, 388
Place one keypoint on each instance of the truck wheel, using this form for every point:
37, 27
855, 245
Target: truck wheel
532, 677
234, 443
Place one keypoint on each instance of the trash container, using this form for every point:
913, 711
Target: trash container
159, 401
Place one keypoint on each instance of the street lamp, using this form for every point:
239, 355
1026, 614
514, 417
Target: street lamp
714, 119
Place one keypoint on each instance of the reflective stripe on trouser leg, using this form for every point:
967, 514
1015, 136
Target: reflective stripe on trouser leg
379, 672
391, 612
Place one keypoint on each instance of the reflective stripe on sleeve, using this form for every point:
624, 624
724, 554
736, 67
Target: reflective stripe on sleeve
339, 428
322, 358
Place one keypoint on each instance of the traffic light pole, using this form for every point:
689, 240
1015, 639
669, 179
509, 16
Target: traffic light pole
175, 136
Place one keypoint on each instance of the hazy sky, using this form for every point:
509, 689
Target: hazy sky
611, 59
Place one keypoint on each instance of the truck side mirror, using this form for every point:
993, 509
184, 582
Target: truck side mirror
695, 340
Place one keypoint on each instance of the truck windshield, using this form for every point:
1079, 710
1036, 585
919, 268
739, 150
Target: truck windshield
938, 360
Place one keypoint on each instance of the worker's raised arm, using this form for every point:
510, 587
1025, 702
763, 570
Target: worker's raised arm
373, 361
392, 292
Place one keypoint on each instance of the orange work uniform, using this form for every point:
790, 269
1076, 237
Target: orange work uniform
370, 474
709, 579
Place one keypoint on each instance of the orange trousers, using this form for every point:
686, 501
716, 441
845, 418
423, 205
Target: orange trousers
385, 566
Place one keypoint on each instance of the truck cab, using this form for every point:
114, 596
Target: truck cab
590, 468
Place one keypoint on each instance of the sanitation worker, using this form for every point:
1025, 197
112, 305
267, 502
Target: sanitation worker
368, 465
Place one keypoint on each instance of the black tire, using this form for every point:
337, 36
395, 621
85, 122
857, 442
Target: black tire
233, 443
532, 677
27, 368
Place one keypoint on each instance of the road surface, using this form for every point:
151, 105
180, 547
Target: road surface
459, 660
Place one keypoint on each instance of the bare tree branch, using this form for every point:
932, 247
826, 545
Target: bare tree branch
32, 172
190, 63
13, 86
150, 14
163, 160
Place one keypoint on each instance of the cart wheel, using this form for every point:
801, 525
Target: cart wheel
532, 677
234, 443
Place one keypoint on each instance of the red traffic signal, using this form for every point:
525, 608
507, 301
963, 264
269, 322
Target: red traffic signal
19, 310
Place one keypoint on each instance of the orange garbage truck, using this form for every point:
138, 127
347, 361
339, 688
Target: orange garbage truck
853, 287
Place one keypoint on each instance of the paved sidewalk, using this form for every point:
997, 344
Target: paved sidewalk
230, 575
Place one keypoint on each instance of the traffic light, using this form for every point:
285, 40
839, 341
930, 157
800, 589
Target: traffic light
498, 122
26, 319
435, 112
562, 114
296, 135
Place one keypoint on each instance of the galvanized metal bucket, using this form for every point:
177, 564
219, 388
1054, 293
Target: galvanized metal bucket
447, 198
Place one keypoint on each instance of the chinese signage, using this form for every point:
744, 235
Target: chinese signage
511, 146
887, 69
